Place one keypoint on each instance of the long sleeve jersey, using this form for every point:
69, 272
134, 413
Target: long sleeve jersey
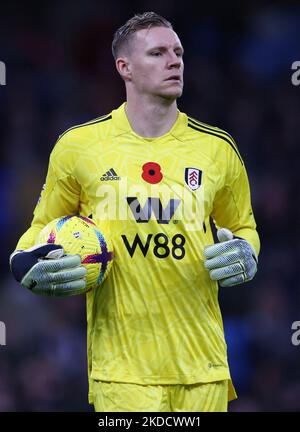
156, 318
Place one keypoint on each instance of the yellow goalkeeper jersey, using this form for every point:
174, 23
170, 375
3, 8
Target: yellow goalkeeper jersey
156, 318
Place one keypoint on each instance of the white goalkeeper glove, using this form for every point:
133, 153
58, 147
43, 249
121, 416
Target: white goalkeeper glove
232, 261
45, 270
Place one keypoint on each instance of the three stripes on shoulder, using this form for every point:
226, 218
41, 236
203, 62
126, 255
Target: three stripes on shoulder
204, 128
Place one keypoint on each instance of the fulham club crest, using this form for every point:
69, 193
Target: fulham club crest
193, 177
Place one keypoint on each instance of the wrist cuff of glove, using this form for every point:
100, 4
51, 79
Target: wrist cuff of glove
22, 261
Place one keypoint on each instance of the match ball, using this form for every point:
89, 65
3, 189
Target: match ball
80, 235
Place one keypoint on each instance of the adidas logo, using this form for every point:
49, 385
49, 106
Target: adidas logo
110, 175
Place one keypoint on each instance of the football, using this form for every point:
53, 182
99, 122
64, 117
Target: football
80, 235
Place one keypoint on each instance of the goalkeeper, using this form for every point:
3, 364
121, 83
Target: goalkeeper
154, 328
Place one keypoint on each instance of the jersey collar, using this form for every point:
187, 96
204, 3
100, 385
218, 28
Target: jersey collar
122, 124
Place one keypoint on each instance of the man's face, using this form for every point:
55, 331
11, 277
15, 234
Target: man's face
156, 63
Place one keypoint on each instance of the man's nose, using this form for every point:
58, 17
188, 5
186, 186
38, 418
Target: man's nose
175, 64
174, 61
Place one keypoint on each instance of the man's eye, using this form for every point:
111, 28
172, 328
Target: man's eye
156, 53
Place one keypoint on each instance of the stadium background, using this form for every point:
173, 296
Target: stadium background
60, 72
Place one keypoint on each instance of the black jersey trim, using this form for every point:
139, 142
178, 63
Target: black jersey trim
213, 129
91, 122
210, 127
219, 135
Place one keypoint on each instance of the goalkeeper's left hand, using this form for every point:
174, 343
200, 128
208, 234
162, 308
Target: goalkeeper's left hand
232, 261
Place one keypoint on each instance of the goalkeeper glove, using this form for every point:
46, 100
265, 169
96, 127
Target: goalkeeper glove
232, 261
45, 270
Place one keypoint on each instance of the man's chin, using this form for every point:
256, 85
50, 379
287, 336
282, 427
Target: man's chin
171, 95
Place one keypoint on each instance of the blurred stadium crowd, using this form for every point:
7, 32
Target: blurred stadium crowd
60, 72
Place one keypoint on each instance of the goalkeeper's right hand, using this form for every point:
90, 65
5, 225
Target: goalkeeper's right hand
45, 270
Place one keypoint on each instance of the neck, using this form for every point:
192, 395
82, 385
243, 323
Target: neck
150, 118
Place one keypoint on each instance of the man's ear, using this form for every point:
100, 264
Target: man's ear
124, 68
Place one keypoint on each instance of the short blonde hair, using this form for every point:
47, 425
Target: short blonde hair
137, 22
